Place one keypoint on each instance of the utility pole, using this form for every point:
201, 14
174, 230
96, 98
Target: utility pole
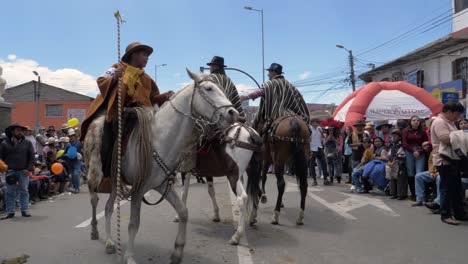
37, 98
351, 65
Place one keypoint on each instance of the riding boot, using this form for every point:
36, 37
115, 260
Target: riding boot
108, 138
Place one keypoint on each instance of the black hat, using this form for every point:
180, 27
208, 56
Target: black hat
217, 60
15, 125
132, 47
359, 123
383, 124
276, 68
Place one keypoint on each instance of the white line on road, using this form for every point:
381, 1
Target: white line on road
87, 222
243, 252
339, 210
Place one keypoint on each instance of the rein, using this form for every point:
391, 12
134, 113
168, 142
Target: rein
201, 124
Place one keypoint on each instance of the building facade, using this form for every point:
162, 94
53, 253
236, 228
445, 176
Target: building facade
440, 67
56, 105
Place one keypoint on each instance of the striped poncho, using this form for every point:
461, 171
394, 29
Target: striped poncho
229, 90
280, 99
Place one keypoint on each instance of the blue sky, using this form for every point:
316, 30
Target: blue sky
72, 42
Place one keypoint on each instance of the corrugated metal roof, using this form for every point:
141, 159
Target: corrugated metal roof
418, 54
25, 93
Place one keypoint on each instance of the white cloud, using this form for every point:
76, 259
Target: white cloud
183, 84
244, 88
304, 75
18, 71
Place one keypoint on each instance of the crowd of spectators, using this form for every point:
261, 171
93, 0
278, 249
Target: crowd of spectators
38, 166
402, 160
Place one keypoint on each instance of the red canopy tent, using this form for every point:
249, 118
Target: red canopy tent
387, 101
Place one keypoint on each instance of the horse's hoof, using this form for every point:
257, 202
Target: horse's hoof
282, 205
110, 249
264, 199
176, 258
233, 242
299, 222
216, 219
130, 260
253, 222
176, 219
274, 222
94, 235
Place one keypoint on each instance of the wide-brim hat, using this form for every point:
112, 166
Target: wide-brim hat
50, 141
71, 132
15, 125
382, 125
217, 60
135, 46
64, 140
276, 67
369, 127
359, 123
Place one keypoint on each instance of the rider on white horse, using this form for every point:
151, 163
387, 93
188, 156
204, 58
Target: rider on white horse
138, 89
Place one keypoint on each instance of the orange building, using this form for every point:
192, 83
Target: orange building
56, 105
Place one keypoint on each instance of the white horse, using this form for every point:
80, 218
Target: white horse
170, 131
230, 159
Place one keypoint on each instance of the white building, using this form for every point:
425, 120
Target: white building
440, 67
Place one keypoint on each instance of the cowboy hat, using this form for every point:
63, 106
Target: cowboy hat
64, 140
28, 128
135, 46
71, 132
359, 123
50, 141
276, 67
217, 60
383, 124
369, 127
15, 125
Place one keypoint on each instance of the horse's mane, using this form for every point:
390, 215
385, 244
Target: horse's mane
141, 137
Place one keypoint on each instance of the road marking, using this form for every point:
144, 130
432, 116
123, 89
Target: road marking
243, 252
343, 207
87, 222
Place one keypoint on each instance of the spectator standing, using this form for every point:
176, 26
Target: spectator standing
18, 154
316, 147
72, 153
40, 142
347, 151
331, 153
355, 142
28, 134
412, 138
384, 132
451, 201
396, 168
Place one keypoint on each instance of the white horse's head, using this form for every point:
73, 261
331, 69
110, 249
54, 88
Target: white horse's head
210, 102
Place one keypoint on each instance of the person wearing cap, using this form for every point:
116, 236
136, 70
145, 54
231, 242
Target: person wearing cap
355, 142
138, 89
28, 134
219, 77
18, 154
50, 146
279, 98
40, 142
370, 131
74, 164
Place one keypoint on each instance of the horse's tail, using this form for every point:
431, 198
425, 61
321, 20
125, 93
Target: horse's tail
298, 153
92, 152
253, 182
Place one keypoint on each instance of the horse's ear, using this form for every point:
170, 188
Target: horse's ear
194, 76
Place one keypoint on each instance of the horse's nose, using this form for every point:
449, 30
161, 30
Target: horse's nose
231, 112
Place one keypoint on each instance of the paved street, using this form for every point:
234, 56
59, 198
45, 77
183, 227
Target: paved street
340, 227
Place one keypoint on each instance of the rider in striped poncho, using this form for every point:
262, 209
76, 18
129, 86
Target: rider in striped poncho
279, 98
218, 75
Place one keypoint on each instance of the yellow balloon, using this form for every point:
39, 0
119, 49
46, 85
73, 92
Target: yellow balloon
73, 122
59, 153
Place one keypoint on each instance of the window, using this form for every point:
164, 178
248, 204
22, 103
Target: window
54, 110
460, 5
460, 69
397, 76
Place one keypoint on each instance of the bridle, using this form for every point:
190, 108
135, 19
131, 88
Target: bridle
202, 124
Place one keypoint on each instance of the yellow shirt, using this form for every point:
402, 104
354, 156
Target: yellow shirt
367, 156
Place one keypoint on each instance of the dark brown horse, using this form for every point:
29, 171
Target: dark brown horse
286, 142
